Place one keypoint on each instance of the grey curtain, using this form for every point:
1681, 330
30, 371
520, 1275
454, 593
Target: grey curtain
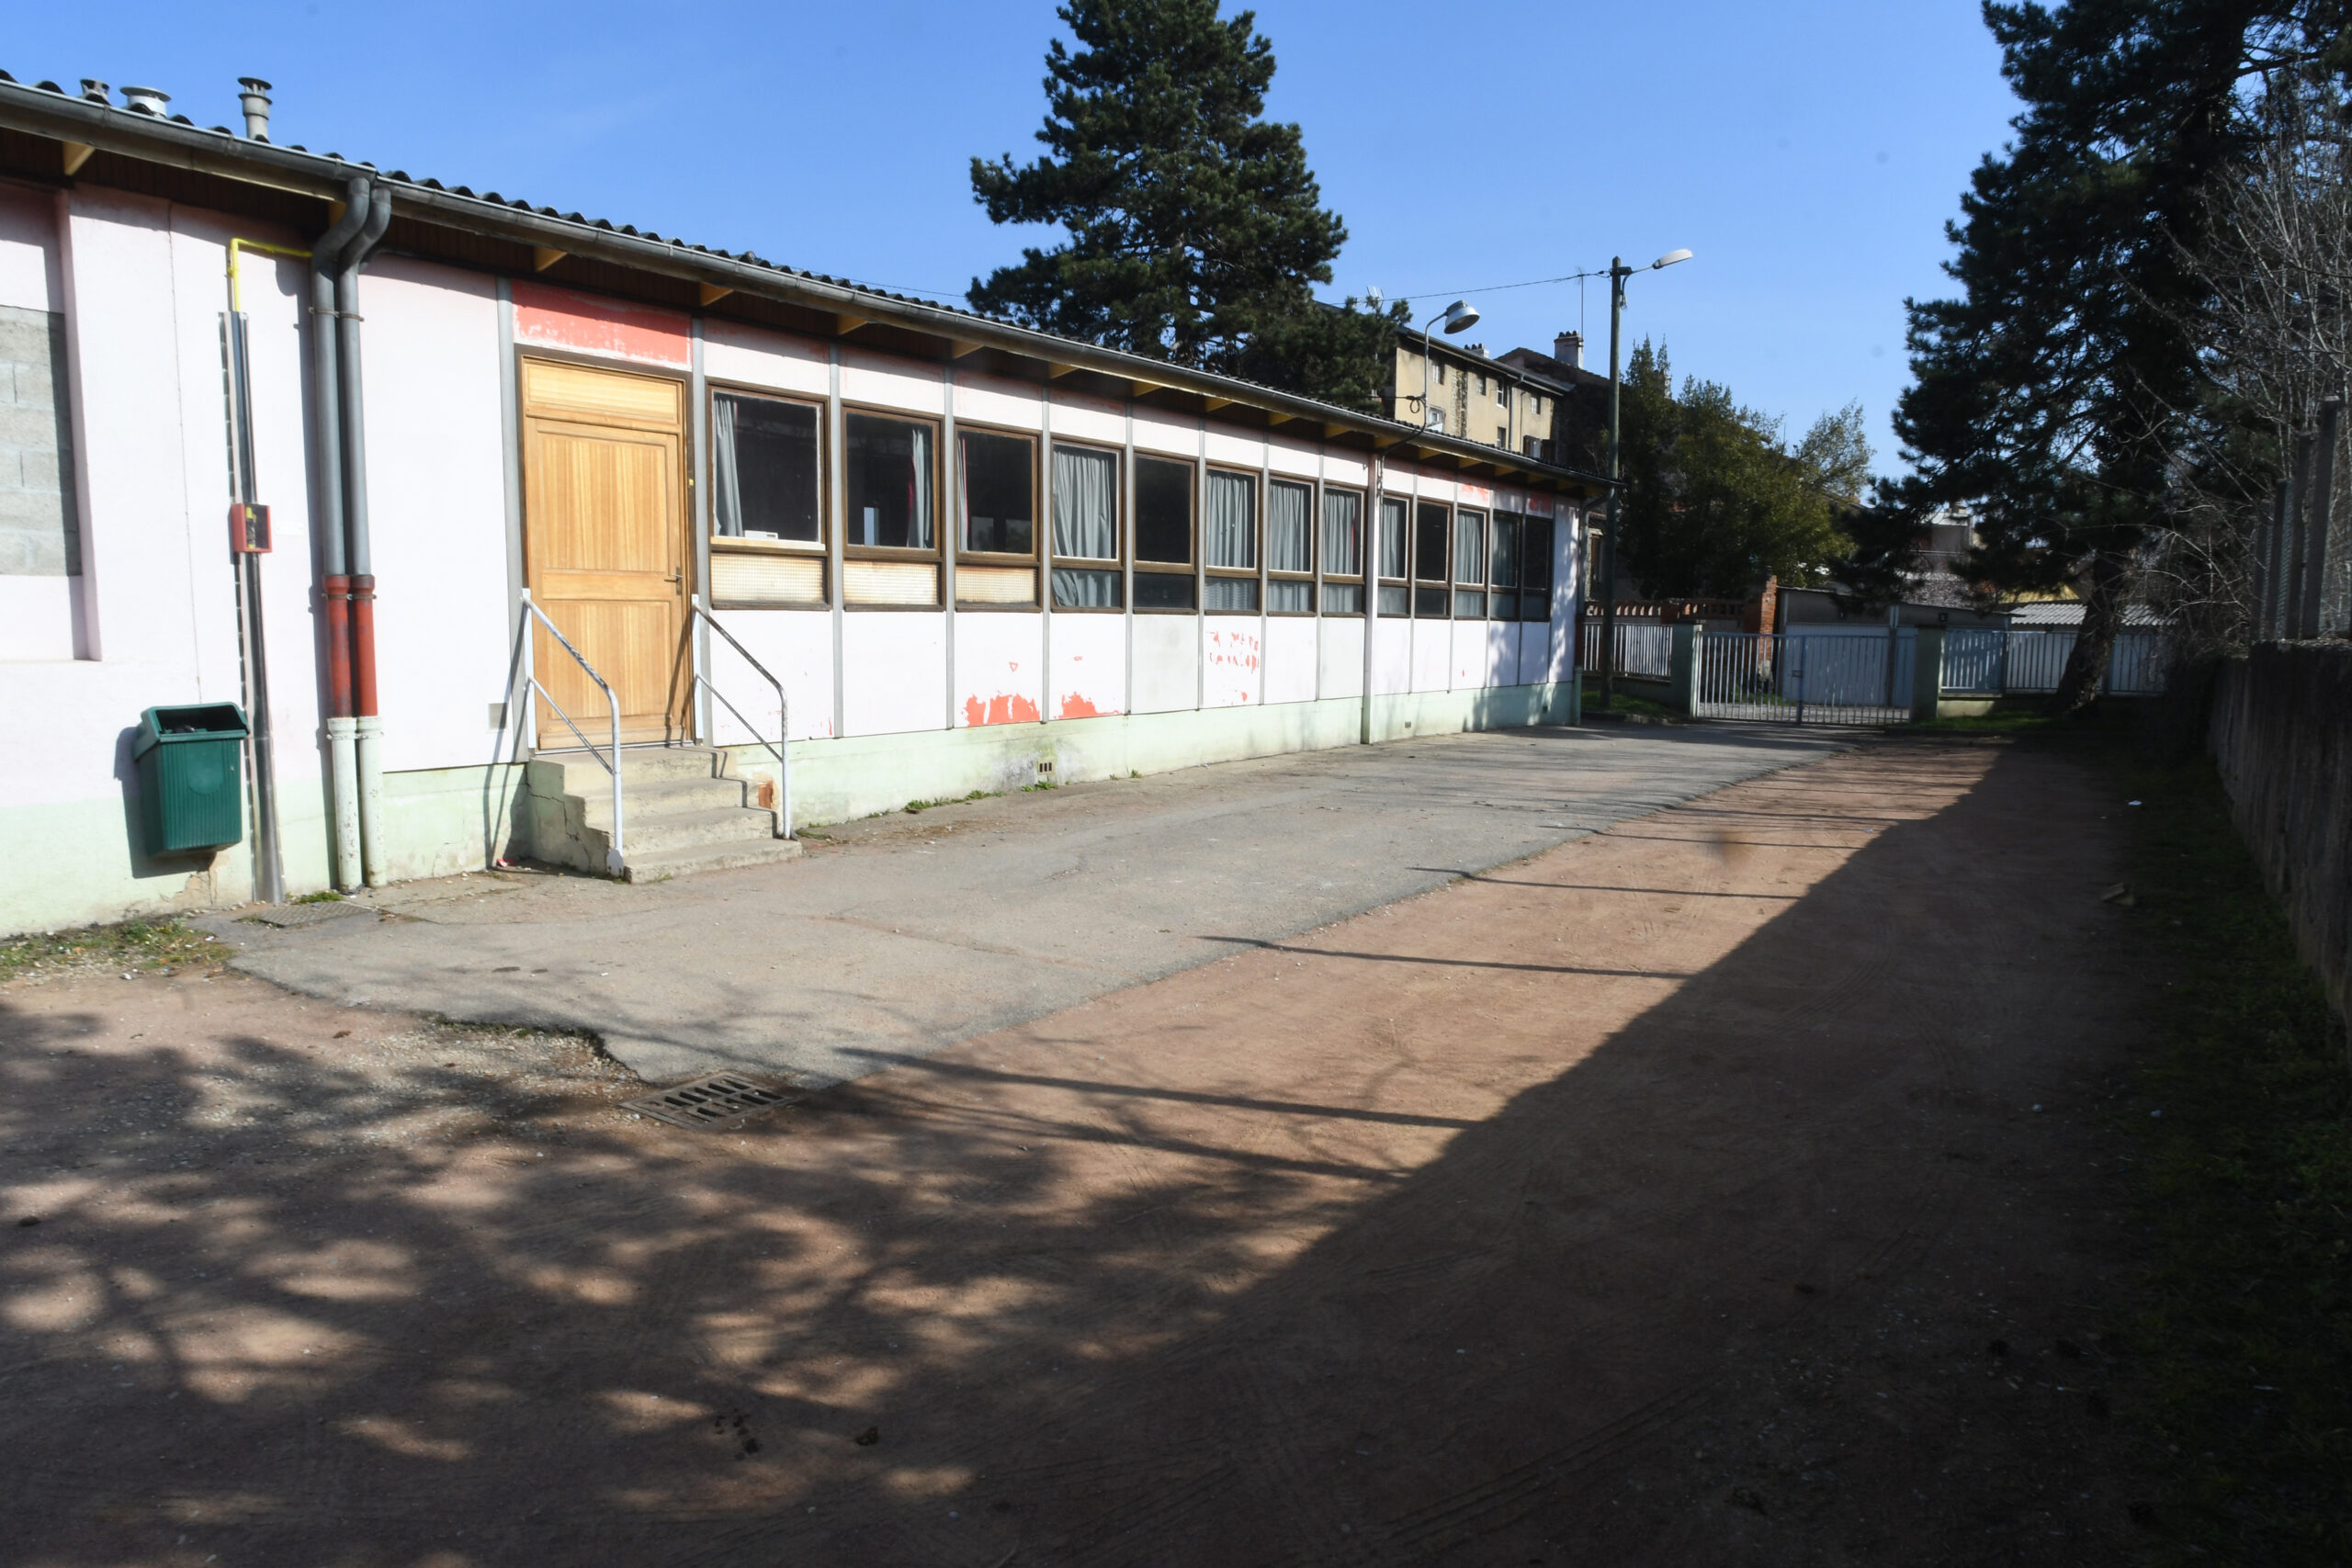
1085, 509
1077, 590
726, 489
919, 526
1342, 533
1230, 527
1287, 533
1392, 541
1469, 547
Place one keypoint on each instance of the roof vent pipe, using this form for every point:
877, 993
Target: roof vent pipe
254, 101
147, 101
97, 92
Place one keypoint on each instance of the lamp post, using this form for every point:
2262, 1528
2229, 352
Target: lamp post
1617, 273
1459, 317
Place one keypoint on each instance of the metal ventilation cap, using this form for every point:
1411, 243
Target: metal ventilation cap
255, 100
147, 101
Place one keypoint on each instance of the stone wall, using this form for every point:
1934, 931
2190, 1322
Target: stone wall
2281, 735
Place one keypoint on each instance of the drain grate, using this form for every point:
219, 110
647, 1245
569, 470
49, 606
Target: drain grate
709, 1102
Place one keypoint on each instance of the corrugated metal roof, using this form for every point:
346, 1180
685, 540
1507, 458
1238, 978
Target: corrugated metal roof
140, 132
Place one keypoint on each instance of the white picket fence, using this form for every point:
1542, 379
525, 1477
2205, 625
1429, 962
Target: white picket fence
1992, 662
1644, 648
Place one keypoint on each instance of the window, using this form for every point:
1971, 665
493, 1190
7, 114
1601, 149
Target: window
1229, 540
890, 476
1469, 565
1430, 520
765, 468
1503, 574
1163, 534
999, 485
1482, 386
1343, 552
1535, 574
1393, 600
889, 483
1436, 419
1290, 548
1086, 528
1502, 394
1438, 370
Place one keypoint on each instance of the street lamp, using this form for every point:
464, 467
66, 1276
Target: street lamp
1459, 317
1617, 273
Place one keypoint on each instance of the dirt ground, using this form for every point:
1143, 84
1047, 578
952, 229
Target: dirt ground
1730, 1187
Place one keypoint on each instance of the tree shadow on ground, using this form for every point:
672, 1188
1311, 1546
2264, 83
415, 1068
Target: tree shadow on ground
1217, 1271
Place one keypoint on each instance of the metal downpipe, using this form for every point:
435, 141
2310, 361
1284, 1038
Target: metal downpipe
368, 727
335, 581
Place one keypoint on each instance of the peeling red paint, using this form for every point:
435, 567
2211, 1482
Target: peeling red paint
1076, 707
567, 320
1004, 708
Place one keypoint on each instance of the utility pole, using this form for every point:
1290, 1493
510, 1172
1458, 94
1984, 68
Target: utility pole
1617, 273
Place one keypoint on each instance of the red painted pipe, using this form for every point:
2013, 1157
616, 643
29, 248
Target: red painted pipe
363, 645
338, 589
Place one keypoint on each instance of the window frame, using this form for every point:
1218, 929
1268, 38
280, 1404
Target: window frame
997, 559
1496, 590
1382, 582
1313, 575
1324, 578
1442, 587
1256, 573
1532, 588
1116, 563
895, 552
940, 524
819, 549
1138, 567
1458, 586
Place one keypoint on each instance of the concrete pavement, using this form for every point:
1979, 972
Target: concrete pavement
904, 934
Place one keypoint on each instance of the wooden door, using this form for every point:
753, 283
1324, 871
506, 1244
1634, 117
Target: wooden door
604, 546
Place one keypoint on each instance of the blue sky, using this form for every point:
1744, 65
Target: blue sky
1808, 152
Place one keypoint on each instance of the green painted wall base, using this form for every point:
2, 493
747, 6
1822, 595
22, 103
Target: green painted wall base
839, 781
79, 863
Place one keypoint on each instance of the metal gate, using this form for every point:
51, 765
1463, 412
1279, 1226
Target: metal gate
1794, 678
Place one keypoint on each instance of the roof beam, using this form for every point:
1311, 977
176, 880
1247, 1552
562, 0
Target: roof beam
963, 348
1214, 404
1056, 370
542, 257
76, 154
845, 323
712, 293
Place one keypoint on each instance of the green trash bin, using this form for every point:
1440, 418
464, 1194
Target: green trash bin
191, 776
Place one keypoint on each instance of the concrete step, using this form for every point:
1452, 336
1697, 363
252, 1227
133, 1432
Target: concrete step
647, 800
663, 865
583, 774
728, 825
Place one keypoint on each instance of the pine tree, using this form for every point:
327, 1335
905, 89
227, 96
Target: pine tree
1195, 227
2050, 396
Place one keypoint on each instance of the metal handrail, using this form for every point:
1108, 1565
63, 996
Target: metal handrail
526, 651
783, 712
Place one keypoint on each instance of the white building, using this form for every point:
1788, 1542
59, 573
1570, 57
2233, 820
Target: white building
974, 556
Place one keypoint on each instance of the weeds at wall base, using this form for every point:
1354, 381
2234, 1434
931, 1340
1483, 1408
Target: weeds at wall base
2243, 1110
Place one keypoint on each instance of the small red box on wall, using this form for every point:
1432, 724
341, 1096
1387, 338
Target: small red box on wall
248, 528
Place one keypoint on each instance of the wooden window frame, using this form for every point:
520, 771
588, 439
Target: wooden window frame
1140, 568
1456, 586
1257, 573
821, 549
1313, 575
1035, 561
1529, 557
941, 523
1362, 581
1116, 564
1404, 585
1443, 586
